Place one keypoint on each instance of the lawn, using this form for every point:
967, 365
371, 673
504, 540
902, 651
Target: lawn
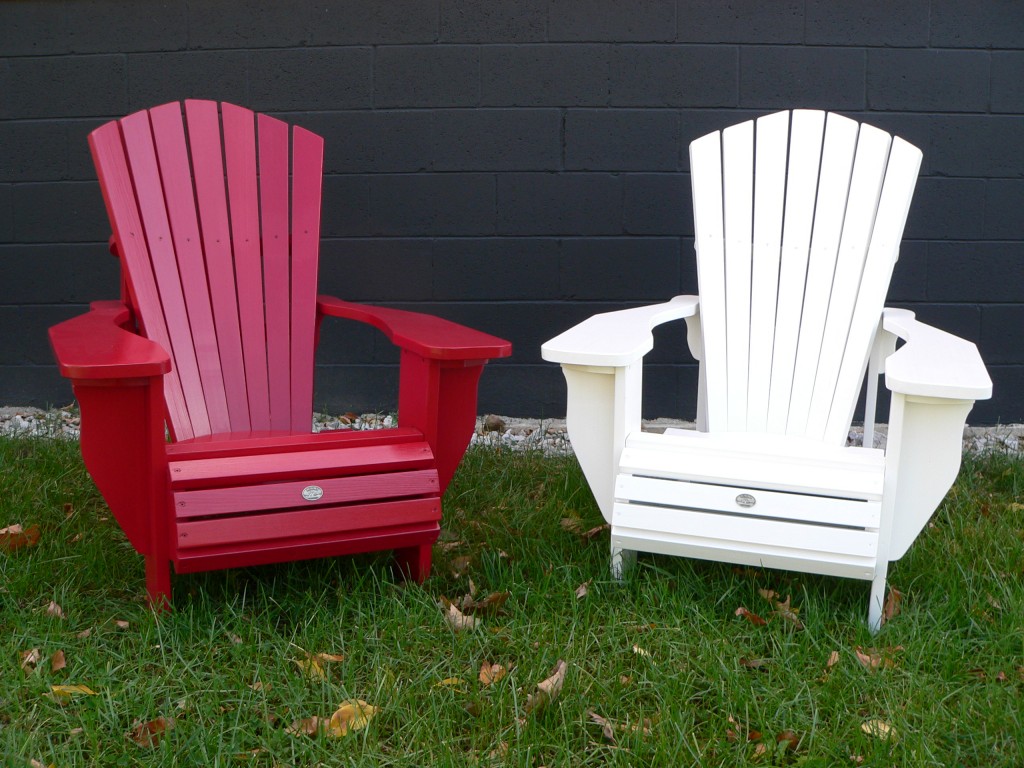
660, 671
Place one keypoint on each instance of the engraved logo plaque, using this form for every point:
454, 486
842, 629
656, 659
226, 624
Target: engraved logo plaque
745, 500
312, 492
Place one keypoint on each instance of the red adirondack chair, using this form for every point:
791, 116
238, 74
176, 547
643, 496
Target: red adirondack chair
216, 222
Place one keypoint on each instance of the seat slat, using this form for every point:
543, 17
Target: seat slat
265, 496
272, 139
784, 506
801, 189
243, 201
204, 137
119, 192
180, 201
250, 443
307, 176
279, 527
138, 140
335, 462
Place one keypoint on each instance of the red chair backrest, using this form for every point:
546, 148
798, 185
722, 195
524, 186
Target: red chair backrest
216, 216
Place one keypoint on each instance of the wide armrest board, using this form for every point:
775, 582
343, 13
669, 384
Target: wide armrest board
426, 335
95, 346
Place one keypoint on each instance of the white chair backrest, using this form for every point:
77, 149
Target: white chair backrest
798, 219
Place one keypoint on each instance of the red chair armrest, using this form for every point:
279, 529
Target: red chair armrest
426, 335
95, 346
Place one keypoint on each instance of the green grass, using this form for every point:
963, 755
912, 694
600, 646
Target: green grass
952, 695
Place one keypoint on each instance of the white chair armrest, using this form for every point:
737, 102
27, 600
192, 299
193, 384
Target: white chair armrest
616, 338
933, 363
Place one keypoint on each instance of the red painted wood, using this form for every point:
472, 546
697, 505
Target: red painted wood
425, 335
243, 202
345, 490
172, 312
280, 527
250, 443
307, 176
209, 473
204, 139
119, 195
272, 136
180, 202
95, 346
414, 562
333, 545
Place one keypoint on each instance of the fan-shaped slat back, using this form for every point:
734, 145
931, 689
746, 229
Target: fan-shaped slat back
798, 219
220, 241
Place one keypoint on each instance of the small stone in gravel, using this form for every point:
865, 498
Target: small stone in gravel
494, 423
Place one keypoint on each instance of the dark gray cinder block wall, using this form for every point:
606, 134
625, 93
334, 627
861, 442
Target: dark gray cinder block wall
517, 165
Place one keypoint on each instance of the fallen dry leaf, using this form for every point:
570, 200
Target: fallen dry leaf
456, 683
149, 734
14, 537
753, 618
121, 624
29, 659
84, 634
491, 673
754, 663
893, 604
492, 604
54, 610
352, 715
788, 738
879, 729
548, 689
581, 590
63, 694
460, 564
312, 664
235, 639
874, 658
307, 726
607, 729
58, 662
593, 532
787, 612
457, 620
768, 594
571, 524
833, 659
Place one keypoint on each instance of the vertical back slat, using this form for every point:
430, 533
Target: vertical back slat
902, 168
738, 202
243, 200
833, 189
179, 197
204, 135
272, 138
801, 189
307, 175
108, 153
865, 189
706, 178
771, 144
142, 160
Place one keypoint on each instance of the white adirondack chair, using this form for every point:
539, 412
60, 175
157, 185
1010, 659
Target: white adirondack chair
798, 220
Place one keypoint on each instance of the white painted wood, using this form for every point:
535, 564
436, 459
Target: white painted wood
795, 250
834, 190
738, 195
806, 136
768, 504
709, 243
770, 155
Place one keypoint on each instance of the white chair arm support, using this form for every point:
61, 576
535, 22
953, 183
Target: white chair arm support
933, 363
616, 338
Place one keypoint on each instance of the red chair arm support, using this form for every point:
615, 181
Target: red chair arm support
425, 335
96, 346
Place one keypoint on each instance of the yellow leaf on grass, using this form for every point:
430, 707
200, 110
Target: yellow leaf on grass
491, 673
65, 693
879, 729
548, 689
352, 715
455, 683
312, 664
15, 537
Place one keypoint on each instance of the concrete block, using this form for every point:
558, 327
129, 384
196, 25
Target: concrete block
426, 76
33, 150
66, 273
32, 322
495, 269
959, 24
80, 167
674, 76
619, 269
496, 140
253, 24
383, 141
571, 204
784, 77
744, 21
33, 29
157, 78
899, 23
1008, 81
299, 78
544, 75
67, 86
657, 204
977, 146
6, 213
449, 204
1004, 201
947, 209
59, 212
346, 206
377, 271
975, 272
910, 277
108, 26
611, 20
481, 21
621, 140
357, 22
928, 80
